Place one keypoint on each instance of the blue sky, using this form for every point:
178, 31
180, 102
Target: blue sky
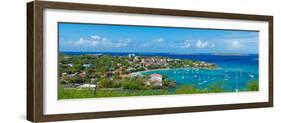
122, 38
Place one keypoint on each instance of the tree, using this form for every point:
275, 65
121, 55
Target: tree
105, 83
253, 86
217, 87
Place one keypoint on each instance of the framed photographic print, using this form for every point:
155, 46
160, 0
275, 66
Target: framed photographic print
96, 61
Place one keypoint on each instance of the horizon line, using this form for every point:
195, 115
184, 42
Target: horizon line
154, 52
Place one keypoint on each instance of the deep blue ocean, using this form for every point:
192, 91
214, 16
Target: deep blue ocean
233, 72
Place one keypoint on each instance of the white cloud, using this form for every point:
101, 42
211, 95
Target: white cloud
201, 44
87, 42
186, 44
95, 37
236, 45
158, 40
98, 41
197, 44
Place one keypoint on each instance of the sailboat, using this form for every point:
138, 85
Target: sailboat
241, 74
196, 76
202, 82
208, 77
252, 76
226, 77
236, 90
205, 81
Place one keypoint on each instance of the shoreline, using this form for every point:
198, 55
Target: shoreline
139, 72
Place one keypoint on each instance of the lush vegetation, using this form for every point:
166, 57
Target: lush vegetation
73, 93
253, 86
108, 71
100, 67
112, 76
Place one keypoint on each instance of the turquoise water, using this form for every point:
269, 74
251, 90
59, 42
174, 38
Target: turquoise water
232, 74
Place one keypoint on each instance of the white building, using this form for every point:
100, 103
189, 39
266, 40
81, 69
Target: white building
156, 77
154, 83
88, 65
155, 80
131, 55
70, 65
87, 86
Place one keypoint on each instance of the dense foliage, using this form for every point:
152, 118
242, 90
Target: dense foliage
70, 93
108, 70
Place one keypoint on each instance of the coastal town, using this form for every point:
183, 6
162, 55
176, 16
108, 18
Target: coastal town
100, 71
105, 60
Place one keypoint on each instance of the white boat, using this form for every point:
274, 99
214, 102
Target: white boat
226, 77
202, 82
236, 90
252, 76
